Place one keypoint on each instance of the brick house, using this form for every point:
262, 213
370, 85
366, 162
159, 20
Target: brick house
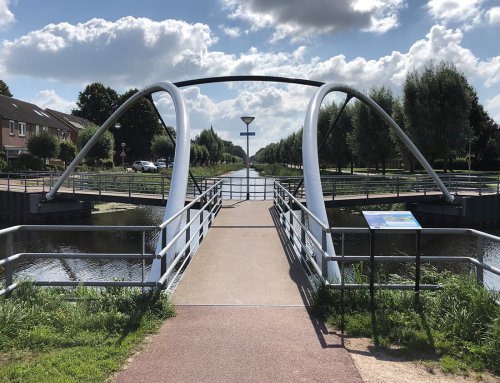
20, 120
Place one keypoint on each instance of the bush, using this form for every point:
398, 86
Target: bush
27, 161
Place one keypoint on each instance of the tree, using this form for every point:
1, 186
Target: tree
211, 141
373, 140
4, 89
103, 148
96, 103
138, 127
161, 146
43, 145
238, 151
437, 107
67, 152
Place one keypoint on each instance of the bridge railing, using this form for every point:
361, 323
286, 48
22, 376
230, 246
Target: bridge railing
210, 201
131, 184
295, 219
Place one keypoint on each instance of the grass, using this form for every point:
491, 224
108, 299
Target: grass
460, 324
74, 335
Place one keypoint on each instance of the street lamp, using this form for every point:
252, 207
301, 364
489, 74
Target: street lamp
247, 120
122, 154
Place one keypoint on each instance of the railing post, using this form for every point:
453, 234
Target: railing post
480, 258
43, 182
99, 183
25, 183
188, 231
480, 182
8, 267
397, 186
302, 233
372, 271
417, 263
200, 237
129, 186
163, 268
265, 188
366, 188
324, 248
73, 178
163, 187
290, 229
8, 181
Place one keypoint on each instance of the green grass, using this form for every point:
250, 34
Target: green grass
74, 335
277, 170
215, 170
460, 324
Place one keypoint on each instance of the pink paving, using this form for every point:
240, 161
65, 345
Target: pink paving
245, 320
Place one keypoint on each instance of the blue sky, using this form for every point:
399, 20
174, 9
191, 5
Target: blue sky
51, 49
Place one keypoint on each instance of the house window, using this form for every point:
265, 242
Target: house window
22, 129
37, 129
44, 128
63, 135
12, 127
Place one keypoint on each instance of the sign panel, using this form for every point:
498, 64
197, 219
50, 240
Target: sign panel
247, 134
391, 220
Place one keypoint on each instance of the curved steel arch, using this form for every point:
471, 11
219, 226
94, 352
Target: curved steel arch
312, 179
178, 186
211, 80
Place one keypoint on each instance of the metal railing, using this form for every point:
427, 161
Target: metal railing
130, 184
210, 201
295, 219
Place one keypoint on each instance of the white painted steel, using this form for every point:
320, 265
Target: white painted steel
312, 179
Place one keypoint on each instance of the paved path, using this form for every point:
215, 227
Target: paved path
242, 313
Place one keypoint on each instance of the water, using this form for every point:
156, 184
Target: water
259, 187
114, 242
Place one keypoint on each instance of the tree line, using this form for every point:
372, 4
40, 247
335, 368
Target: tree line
439, 111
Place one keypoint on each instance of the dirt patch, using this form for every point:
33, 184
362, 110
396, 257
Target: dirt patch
377, 365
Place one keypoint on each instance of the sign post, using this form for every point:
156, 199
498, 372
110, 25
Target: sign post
248, 120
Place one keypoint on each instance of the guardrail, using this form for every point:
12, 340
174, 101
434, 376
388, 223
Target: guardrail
295, 219
131, 184
210, 201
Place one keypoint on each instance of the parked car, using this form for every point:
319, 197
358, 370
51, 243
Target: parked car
145, 166
161, 165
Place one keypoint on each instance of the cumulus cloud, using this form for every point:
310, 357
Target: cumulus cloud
298, 20
6, 16
494, 15
467, 12
50, 99
230, 31
128, 51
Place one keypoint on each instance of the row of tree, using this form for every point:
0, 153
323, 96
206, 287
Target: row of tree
440, 112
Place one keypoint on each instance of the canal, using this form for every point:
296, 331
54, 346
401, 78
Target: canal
114, 242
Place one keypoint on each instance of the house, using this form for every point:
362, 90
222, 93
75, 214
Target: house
20, 120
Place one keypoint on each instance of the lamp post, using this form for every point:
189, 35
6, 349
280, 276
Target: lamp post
248, 120
122, 154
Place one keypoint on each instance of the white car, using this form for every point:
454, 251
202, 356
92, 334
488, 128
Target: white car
145, 166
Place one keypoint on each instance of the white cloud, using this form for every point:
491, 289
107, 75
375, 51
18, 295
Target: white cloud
6, 16
49, 99
230, 31
463, 11
299, 20
494, 15
127, 52
493, 107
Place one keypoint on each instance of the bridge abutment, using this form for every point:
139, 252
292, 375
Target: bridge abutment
471, 211
25, 208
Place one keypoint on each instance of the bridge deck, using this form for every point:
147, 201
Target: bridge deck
242, 261
241, 313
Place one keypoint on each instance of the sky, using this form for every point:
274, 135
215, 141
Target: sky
50, 50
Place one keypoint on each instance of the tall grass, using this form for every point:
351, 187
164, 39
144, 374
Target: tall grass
73, 335
460, 324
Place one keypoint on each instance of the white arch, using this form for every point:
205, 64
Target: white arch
178, 185
312, 179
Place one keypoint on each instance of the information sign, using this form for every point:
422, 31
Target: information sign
391, 220
247, 134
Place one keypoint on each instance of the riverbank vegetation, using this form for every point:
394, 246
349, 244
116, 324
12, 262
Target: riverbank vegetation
459, 325
74, 335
